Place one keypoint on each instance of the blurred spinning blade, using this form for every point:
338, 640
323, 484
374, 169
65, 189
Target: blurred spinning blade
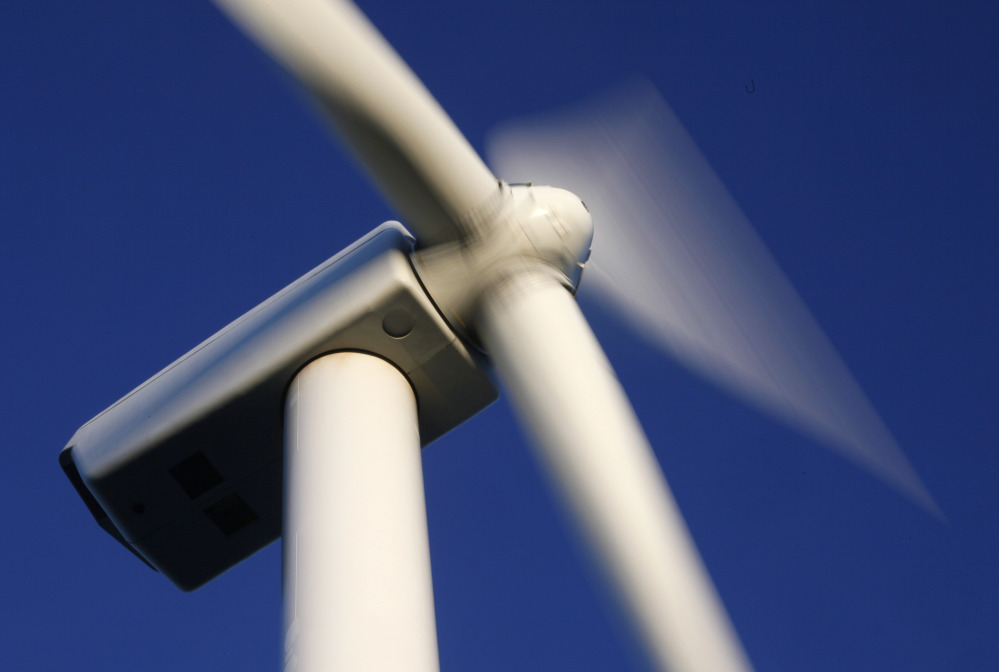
677, 258
402, 137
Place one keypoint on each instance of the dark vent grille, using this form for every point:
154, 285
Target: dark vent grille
196, 475
231, 514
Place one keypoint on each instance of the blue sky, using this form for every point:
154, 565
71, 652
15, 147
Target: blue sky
159, 177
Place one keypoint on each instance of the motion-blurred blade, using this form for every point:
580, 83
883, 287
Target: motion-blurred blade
587, 435
678, 259
408, 144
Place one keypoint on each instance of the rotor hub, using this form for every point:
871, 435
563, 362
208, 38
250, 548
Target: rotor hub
537, 229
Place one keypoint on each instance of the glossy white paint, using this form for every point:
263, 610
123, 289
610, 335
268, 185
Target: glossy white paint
185, 470
357, 584
588, 437
536, 225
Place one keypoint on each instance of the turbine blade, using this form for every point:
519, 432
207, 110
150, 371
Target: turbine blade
587, 435
409, 146
679, 261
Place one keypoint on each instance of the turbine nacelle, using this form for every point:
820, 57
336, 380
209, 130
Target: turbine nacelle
186, 470
537, 228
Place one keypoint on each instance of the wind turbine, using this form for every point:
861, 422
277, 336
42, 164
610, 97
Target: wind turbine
392, 343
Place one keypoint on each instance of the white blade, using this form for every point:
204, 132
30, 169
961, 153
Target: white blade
675, 255
407, 143
566, 394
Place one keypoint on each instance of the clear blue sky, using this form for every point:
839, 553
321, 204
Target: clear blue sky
158, 177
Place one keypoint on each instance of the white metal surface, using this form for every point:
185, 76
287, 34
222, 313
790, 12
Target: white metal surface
186, 469
357, 584
407, 142
537, 224
567, 395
